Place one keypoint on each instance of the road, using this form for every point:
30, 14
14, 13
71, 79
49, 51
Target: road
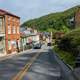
37, 64
44, 68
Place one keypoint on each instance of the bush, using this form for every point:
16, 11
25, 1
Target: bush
71, 42
67, 57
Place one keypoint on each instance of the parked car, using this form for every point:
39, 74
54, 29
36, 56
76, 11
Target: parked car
48, 44
37, 45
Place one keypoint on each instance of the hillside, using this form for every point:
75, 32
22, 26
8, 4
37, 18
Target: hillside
69, 47
54, 21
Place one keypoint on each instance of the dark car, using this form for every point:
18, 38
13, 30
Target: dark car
48, 44
37, 46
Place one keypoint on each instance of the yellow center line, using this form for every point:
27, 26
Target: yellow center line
25, 69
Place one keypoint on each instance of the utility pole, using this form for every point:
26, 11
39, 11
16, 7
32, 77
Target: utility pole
51, 37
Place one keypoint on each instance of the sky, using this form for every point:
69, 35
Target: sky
30, 9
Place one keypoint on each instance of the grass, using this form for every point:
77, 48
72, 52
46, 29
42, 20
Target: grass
67, 57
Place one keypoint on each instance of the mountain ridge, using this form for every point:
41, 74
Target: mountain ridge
55, 21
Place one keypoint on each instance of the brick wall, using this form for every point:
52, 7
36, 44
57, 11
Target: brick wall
77, 19
12, 31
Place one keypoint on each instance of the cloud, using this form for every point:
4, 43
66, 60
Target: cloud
28, 9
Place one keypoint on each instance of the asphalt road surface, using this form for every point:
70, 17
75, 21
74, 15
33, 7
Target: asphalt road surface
44, 69
34, 65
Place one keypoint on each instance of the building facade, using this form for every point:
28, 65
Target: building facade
77, 18
9, 32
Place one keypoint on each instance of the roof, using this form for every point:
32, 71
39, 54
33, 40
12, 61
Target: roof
26, 35
6, 12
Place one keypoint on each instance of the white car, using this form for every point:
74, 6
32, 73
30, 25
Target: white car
37, 45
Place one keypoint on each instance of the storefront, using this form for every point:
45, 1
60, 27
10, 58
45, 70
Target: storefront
2, 44
2, 35
13, 46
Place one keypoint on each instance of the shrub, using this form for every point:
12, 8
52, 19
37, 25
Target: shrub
71, 42
67, 57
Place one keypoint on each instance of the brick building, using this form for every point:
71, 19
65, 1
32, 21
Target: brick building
77, 18
9, 32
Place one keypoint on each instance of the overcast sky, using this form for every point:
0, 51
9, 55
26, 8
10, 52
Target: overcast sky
29, 9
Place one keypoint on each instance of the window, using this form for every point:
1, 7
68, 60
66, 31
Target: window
18, 30
13, 19
14, 30
13, 43
9, 30
0, 22
17, 21
9, 18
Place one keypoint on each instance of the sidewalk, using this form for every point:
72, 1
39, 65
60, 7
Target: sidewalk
6, 56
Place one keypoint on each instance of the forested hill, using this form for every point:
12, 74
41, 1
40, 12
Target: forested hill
54, 21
